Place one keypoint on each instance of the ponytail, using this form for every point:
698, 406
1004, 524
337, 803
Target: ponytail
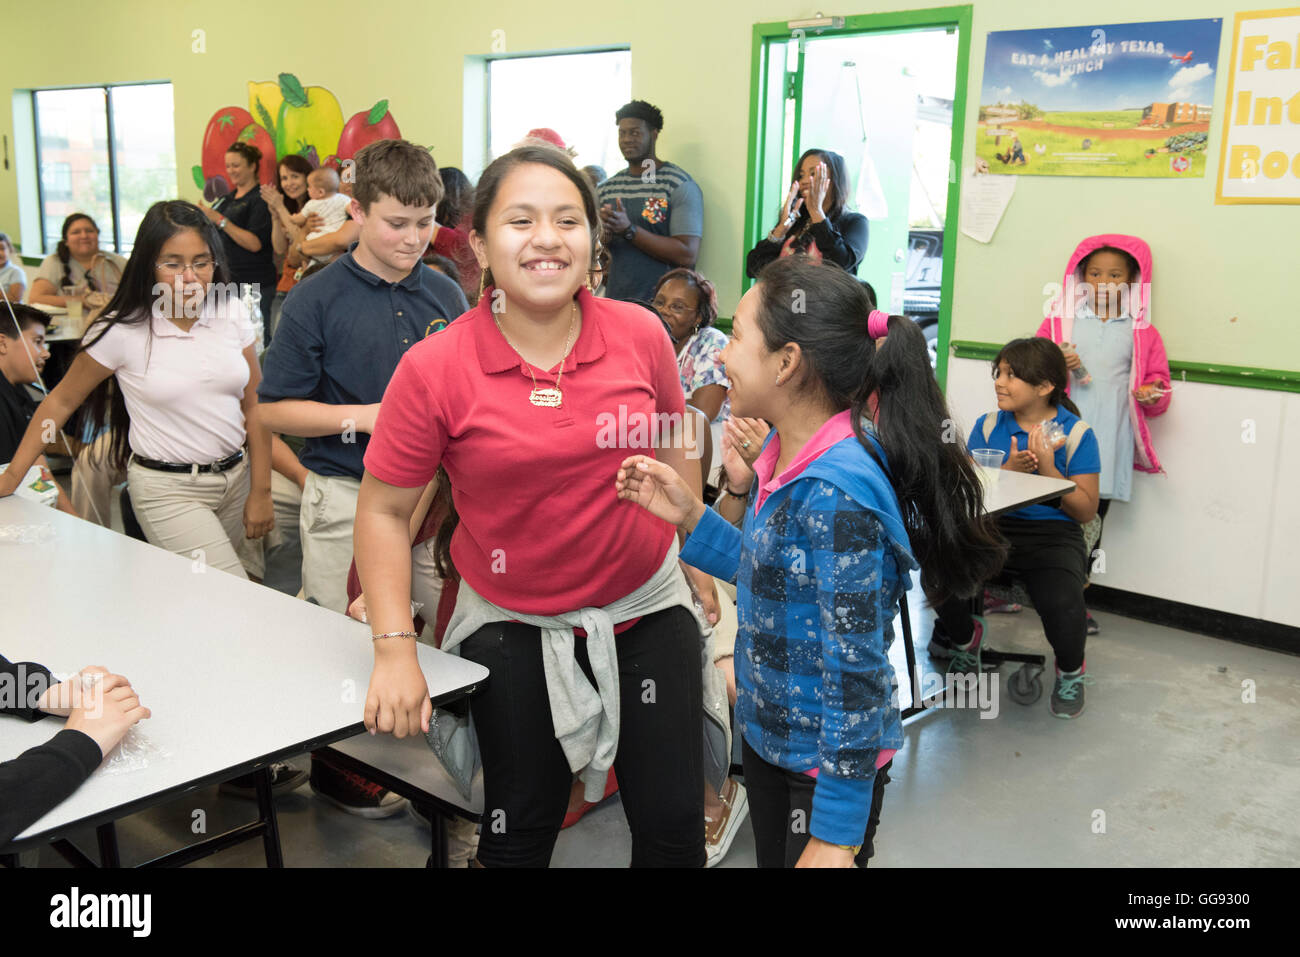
954, 541
828, 313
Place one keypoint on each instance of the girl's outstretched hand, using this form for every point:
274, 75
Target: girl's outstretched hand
658, 489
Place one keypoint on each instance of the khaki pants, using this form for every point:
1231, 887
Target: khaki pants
93, 482
426, 586
276, 558
329, 508
198, 516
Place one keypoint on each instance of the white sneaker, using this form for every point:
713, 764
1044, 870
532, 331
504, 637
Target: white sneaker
719, 834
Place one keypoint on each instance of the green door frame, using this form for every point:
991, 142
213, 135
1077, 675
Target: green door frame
903, 20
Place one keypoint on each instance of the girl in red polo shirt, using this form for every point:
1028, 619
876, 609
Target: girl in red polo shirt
530, 402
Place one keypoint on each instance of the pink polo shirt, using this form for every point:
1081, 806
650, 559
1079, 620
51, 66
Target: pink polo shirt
837, 428
541, 529
183, 390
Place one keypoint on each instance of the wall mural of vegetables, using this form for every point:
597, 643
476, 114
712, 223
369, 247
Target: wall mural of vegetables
283, 118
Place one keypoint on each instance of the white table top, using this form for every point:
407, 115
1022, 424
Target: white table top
233, 672
1015, 490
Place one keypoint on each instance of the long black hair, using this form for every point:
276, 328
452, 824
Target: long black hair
133, 304
1037, 361
824, 310
65, 254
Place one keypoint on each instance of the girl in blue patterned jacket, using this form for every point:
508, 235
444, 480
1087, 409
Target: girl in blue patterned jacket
836, 512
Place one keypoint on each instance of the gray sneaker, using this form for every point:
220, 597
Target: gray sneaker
1067, 695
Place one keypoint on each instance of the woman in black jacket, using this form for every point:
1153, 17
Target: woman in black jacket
41, 778
815, 219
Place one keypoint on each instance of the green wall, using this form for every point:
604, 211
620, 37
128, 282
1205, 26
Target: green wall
1212, 263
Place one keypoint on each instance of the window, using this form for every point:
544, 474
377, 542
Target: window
109, 151
574, 94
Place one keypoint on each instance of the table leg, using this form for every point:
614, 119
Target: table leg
439, 838
108, 854
266, 805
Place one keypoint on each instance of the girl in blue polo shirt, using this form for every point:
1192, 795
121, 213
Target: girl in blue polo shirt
854, 488
1047, 548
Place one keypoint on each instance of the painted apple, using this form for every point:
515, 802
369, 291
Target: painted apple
369, 127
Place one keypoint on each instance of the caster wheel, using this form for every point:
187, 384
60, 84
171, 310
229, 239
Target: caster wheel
1026, 685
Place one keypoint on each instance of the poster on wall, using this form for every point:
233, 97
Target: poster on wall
285, 118
1118, 99
1260, 158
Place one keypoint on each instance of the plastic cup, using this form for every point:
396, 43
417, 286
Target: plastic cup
73, 302
989, 462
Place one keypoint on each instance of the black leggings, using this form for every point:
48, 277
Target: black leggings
1050, 558
660, 761
780, 810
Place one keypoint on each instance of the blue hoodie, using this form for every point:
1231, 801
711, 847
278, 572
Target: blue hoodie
819, 572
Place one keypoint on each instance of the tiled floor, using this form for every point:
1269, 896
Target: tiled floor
1169, 766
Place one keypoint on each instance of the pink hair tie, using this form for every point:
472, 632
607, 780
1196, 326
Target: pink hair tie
878, 324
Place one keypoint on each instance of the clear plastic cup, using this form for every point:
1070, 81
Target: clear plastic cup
72, 299
989, 462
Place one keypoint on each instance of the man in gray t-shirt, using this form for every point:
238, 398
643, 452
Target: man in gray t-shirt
652, 212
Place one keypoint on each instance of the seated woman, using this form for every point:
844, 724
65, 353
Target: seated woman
80, 263
688, 305
12, 278
815, 218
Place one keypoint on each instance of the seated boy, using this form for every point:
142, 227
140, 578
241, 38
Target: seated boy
22, 357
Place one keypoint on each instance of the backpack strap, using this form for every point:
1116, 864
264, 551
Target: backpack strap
990, 421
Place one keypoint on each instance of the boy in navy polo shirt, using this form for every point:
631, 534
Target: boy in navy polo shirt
340, 336
1047, 547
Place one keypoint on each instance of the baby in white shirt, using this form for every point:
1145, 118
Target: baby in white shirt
326, 201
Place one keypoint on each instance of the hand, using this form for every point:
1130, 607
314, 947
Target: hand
9, 482
259, 514
1149, 394
357, 609
658, 489
61, 698
313, 222
1043, 453
789, 210
820, 854
705, 589
106, 711
1072, 360
1020, 461
397, 701
736, 471
209, 212
615, 219
817, 191
273, 198
747, 435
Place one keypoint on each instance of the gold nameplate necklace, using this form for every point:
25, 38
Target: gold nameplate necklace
546, 398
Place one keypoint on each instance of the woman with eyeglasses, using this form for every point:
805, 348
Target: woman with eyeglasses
171, 361
244, 220
688, 305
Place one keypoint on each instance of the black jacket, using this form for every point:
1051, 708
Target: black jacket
42, 777
842, 240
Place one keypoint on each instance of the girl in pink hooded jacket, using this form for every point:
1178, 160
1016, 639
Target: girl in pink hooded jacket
1102, 320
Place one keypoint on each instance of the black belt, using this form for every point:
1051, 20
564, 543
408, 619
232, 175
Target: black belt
229, 462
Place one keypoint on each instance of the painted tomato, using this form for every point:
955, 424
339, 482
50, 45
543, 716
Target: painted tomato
369, 127
228, 124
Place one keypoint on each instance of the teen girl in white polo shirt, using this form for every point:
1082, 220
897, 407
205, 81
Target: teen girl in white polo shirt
183, 397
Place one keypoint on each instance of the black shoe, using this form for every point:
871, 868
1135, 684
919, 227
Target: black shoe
284, 778
350, 792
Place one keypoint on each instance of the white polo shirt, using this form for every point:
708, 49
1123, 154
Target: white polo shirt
182, 389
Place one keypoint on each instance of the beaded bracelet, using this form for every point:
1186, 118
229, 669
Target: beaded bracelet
395, 634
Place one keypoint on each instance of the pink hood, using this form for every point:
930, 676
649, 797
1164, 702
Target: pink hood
1150, 364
